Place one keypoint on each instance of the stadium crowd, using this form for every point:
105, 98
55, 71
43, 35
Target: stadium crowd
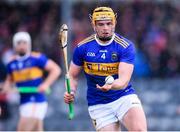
152, 26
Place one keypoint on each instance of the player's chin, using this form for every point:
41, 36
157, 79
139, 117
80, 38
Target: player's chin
106, 35
104, 38
21, 53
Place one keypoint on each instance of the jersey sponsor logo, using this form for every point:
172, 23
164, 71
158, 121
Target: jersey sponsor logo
90, 54
101, 69
27, 74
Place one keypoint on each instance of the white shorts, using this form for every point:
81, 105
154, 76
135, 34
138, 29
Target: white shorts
104, 114
34, 110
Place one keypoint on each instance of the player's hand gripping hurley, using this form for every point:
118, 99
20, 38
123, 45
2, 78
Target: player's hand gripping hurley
63, 41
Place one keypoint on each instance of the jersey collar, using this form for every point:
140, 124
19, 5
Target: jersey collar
104, 44
22, 58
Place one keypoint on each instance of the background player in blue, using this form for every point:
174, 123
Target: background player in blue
26, 70
107, 53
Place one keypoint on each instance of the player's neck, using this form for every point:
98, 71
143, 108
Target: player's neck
104, 43
22, 58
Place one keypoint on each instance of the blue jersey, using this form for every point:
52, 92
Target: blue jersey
100, 60
28, 73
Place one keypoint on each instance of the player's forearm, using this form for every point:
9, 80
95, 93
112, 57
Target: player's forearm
119, 84
125, 72
74, 71
7, 83
52, 76
74, 83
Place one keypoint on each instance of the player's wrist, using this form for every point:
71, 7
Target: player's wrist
73, 91
116, 86
46, 83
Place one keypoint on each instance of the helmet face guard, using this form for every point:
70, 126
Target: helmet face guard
103, 13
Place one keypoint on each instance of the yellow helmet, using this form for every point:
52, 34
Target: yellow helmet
103, 13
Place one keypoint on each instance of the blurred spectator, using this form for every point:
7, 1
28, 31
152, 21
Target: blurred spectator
4, 108
2, 71
142, 68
